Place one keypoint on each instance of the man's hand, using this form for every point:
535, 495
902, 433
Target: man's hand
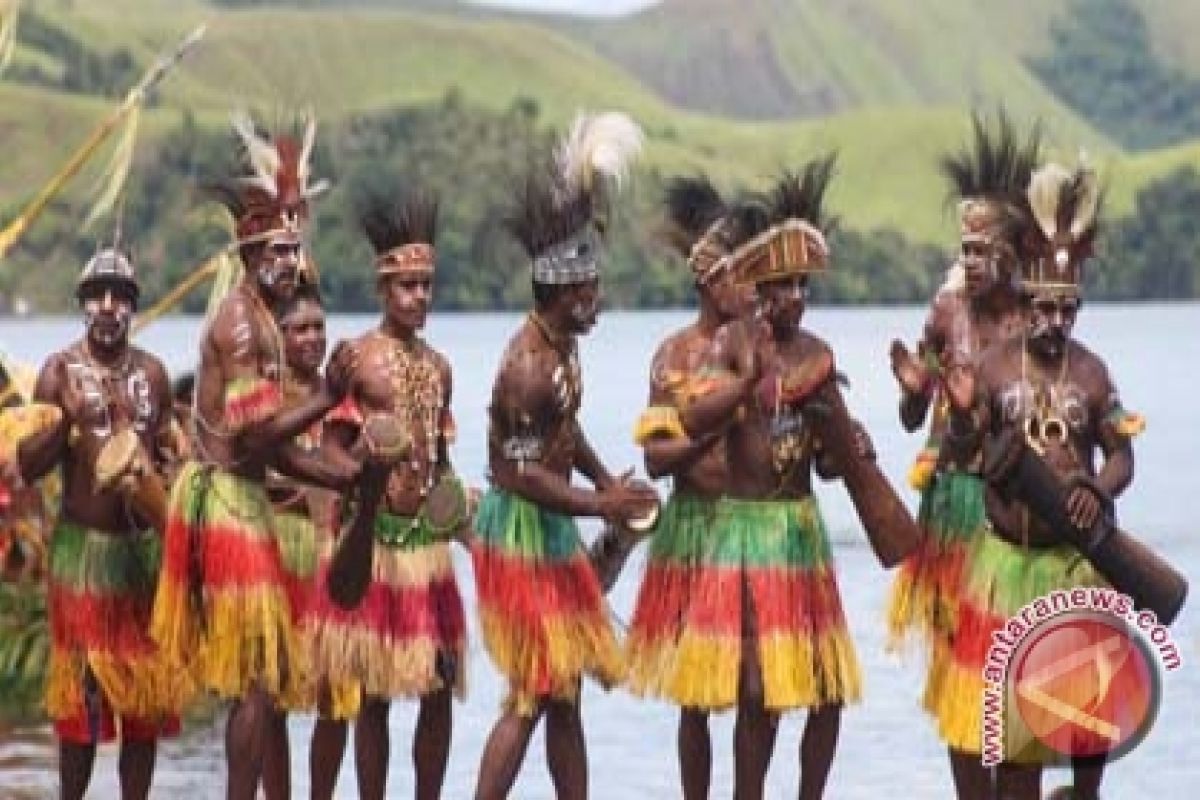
339, 374
1083, 507
862, 441
627, 499
959, 382
911, 374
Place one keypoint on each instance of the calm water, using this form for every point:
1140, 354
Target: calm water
1153, 353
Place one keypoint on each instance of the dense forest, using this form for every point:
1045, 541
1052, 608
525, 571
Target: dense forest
1102, 63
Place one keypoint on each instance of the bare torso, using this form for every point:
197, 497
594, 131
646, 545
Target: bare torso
678, 360
412, 380
99, 402
535, 400
241, 341
1062, 412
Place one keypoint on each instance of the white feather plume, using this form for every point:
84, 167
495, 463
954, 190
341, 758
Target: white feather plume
956, 278
1089, 200
603, 144
303, 166
1045, 190
264, 158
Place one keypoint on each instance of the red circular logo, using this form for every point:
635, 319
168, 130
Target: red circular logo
1084, 685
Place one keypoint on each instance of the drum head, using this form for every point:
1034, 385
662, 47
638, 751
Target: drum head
446, 506
116, 457
386, 435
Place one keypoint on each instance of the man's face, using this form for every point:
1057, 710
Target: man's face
730, 298
980, 262
304, 341
406, 298
107, 314
583, 305
279, 267
782, 302
1049, 320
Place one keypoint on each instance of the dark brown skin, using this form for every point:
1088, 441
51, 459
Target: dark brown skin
242, 341
304, 340
377, 386
526, 400
769, 343
961, 325
696, 467
104, 385
992, 395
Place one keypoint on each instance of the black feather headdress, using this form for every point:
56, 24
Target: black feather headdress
561, 211
401, 225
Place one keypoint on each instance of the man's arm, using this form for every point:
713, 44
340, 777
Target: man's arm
916, 379
588, 462
1116, 428
530, 397
252, 404
734, 366
40, 453
666, 446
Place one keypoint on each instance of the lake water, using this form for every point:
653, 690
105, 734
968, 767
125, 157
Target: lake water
887, 744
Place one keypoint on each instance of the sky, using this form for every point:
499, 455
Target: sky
591, 7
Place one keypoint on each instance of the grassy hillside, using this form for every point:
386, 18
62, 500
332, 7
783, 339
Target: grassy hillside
894, 72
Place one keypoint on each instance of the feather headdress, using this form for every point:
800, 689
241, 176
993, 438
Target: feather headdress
1063, 209
697, 225
271, 195
401, 225
561, 212
794, 244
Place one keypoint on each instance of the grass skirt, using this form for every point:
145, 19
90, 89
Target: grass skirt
408, 636
222, 608
1000, 579
929, 584
101, 589
768, 576
541, 608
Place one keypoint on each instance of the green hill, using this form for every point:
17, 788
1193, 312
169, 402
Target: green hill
886, 84
284, 58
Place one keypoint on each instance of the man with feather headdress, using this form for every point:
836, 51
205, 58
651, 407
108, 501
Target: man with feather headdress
542, 611
103, 554
222, 609
976, 307
668, 623
1059, 395
778, 638
408, 635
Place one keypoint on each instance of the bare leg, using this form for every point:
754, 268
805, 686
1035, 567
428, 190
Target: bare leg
325, 757
1088, 773
372, 748
695, 753
817, 747
972, 780
504, 753
246, 733
75, 768
135, 766
1018, 782
755, 728
327, 747
277, 759
431, 743
566, 750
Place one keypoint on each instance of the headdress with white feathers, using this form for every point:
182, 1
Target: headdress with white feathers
561, 212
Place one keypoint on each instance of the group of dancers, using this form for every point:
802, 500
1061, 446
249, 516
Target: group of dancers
283, 542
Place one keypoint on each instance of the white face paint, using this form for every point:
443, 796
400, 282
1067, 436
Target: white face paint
107, 316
